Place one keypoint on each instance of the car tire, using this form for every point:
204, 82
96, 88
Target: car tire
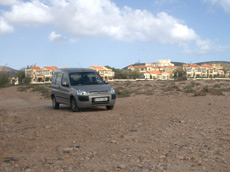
109, 107
54, 103
73, 105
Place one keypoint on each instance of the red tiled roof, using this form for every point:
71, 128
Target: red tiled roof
155, 72
96, 67
169, 72
191, 65
194, 65
51, 67
54, 67
206, 65
219, 67
173, 67
139, 66
36, 67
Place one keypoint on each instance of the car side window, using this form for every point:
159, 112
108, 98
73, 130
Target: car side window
65, 79
54, 78
58, 80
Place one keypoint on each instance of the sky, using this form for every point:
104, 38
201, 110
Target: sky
117, 33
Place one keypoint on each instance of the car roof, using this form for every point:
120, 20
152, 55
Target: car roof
74, 70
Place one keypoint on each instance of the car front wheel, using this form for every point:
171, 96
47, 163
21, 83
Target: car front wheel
54, 102
74, 105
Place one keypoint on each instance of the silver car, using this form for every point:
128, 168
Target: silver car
81, 88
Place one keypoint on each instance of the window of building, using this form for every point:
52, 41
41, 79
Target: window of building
46, 72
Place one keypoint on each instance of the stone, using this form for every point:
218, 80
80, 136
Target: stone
122, 166
68, 150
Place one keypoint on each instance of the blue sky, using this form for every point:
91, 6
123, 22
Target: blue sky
80, 33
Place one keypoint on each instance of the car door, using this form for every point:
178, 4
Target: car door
56, 87
65, 89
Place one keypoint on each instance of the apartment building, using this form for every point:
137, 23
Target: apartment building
35, 73
141, 68
158, 75
160, 63
163, 69
40, 75
104, 72
47, 72
203, 71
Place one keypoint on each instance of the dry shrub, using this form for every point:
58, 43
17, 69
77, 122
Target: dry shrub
121, 92
212, 91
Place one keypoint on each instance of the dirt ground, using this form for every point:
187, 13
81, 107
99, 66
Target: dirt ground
157, 128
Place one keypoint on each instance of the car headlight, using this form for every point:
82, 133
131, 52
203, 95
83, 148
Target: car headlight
113, 91
82, 93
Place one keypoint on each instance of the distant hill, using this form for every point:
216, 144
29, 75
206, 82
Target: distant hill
214, 62
136, 64
6, 69
178, 63
222, 63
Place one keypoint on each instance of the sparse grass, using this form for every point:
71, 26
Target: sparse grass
172, 88
206, 90
216, 86
128, 84
225, 89
148, 85
189, 89
121, 92
43, 89
192, 83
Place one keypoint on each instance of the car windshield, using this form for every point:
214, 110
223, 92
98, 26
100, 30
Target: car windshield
85, 78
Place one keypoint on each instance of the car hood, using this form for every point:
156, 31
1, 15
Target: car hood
88, 88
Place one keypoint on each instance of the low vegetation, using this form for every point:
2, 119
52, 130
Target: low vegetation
4, 80
127, 89
190, 88
44, 89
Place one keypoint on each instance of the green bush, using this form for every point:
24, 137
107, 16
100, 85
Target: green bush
121, 92
4, 80
43, 89
180, 74
189, 89
204, 91
26, 80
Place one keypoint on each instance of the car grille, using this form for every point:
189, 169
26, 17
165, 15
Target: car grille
98, 92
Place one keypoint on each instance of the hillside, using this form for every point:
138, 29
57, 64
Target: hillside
214, 62
6, 69
222, 63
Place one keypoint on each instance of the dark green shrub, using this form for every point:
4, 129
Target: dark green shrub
26, 80
121, 92
189, 89
4, 80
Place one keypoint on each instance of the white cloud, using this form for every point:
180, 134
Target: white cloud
54, 37
5, 27
225, 4
8, 2
103, 18
29, 13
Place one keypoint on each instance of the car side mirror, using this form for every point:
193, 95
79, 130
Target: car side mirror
106, 82
65, 84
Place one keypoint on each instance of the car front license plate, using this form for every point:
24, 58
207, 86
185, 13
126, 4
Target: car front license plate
101, 99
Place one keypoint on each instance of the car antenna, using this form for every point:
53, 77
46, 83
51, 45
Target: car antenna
80, 66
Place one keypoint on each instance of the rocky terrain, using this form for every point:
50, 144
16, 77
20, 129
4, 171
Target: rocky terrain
155, 126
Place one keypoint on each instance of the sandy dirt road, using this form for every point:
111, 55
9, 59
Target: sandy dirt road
143, 133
